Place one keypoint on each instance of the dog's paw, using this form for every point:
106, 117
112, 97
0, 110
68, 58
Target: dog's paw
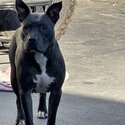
21, 122
42, 115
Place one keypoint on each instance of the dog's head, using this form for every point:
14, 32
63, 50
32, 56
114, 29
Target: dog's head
37, 30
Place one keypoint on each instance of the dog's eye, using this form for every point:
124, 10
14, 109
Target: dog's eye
26, 28
43, 27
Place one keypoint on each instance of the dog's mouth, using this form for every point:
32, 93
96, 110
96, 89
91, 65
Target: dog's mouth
37, 49
34, 49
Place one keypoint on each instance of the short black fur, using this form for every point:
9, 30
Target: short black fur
37, 64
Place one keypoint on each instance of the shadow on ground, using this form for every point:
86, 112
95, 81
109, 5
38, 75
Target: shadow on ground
73, 110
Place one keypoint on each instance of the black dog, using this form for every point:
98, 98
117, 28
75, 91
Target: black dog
37, 64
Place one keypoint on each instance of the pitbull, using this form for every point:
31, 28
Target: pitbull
37, 64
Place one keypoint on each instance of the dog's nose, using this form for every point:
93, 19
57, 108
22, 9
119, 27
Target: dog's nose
32, 40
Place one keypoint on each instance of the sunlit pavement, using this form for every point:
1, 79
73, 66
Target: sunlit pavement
94, 51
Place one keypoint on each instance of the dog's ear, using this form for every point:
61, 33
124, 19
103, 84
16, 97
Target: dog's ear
53, 11
22, 10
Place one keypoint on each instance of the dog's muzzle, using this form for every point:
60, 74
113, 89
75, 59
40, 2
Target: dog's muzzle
31, 45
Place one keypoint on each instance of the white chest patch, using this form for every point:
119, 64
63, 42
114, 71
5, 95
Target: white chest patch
42, 80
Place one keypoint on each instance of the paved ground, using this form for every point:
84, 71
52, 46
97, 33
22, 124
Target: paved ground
94, 50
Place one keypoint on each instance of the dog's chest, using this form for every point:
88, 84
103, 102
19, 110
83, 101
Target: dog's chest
42, 80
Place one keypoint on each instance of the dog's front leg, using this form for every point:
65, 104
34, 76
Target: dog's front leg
54, 100
42, 110
26, 101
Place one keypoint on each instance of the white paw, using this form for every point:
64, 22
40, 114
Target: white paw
42, 115
22, 122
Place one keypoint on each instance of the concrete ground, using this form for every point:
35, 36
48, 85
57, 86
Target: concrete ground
94, 51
